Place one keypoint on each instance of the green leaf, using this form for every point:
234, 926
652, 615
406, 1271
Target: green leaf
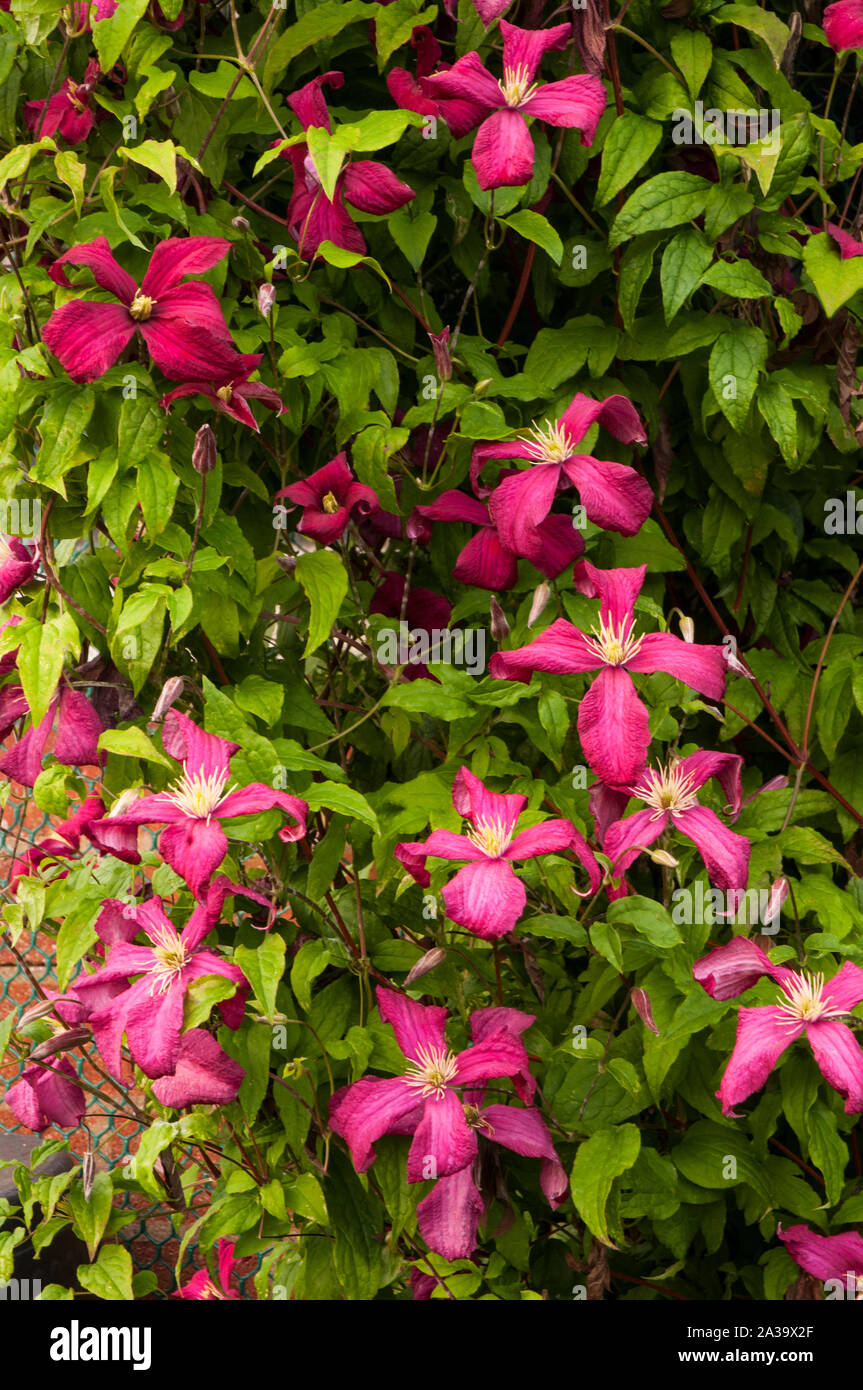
395, 24
726, 204
322, 576
110, 36
628, 146
692, 51
684, 260
159, 156
740, 279
310, 961
777, 409
534, 227
322, 21
601, 1159
111, 1275
666, 200
157, 490
737, 358
64, 420
202, 995
763, 23
133, 743
650, 919
91, 1214
347, 801
412, 234
835, 280
71, 171
328, 155
40, 661
354, 1216
17, 162
263, 968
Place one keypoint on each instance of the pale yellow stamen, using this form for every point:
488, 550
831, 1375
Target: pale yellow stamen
666, 789
491, 836
225, 393
72, 93
476, 1120
330, 503
433, 1071
141, 307
613, 643
805, 1002
548, 443
170, 960
516, 86
198, 796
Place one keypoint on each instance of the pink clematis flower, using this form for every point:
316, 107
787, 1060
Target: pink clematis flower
613, 723
329, 499
670, 794
485, 896
182, 325
843, 25
150, 1011
614, 495
503, 151
827, 1257
204, 1074
83, 13
232, 397
17, 566
68, 112
64, 842
808, 1005
424, 1101
485, 561
203, 1286
461, 115
849, 246
194, 843
363, 183
76, 744
46, 1095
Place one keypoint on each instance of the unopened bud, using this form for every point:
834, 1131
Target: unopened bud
241, 223
204, 451
779, 891
661, 856
266, 299
37, 1010
171, 692
61, 1042
499, 624
540, 599
426, 963
442, 359
88, 1173
123, 802
482, 386
687, 629
641, 1004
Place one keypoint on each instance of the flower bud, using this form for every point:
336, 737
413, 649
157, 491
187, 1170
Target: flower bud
61, 1042
540, 599
641, 1004
204, 451
661, 856
779, 891
241, 223
442, 359
687, 629
171, 692
266, 299
499, 624
482, 386
426, 963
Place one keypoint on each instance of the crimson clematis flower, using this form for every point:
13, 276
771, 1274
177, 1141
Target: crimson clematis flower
232, 397
671, 796
808, 1005
485, 896
843, 25
63, 843
46, 1095
826, 1257
194, 843
460, 115
503, 151
204, 1074
424, 1101
613, 723
329, 499
68, 112
150, 1011
485, 561
17, 567
202, 1286
182, 325
364, 183
76, 744
614, 496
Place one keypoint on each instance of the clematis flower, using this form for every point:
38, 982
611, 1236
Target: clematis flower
18, 565
424, 1101
232, 397
329, 498
614, 496
613, 723
182, 325
460, 114
363, 183
671, 797
82, 13
150, 1011
203, 1286
204, 1074
843, 25
68, 112
485, 896
485, 561
808, 1005
63, 843
76, 744
826, 1257
503, 151
849, 246
47, 1094
194, 843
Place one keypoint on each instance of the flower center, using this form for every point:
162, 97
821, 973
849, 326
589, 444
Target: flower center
169, 961
72, 94
805, 1004
613, 642
225, 393
209, 1290
666, 789
432, 1073
476, 1120
330, 503
516, 86
491, 836
196, 795
141, 307
548, 443
6, 551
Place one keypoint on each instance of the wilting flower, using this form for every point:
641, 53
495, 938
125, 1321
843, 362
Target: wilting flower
808, 1005
424, 1101
364, 183
843, 25
194, 843
849, 246
204, 1074
671, 797
329, 499
47, 1094
231, 397
150, 1011
182, 325
76, 744
485, 561
68, 112
63, 843
17, 566
203, 1286
826, 1257
503, 151
614, 496
613, 723
485, 896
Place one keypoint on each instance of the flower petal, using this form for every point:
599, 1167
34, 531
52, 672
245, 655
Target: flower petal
418, 1027
443, 1142
732, 969
449, 1216
179, 256
374, 188
762, 1036
840, 1060
725, 767
466, 78
625, 839
199, 752
725, 854
613, 727
702, 667
88, 338
524, 49
97, 256
574, 102
824, 1257
204, 1074
843, 25
503, 151
194, 849
374, 1106
614, 496
561, 649
846, 987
